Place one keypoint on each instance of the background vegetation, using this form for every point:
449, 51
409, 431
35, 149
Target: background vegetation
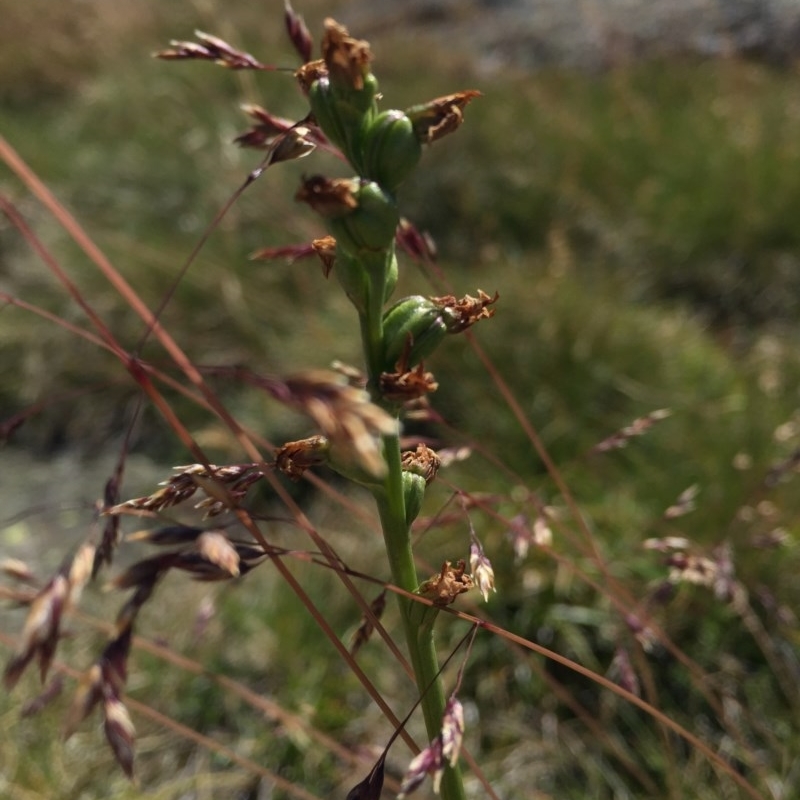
640, 225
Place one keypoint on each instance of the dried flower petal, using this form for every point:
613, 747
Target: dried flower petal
291, 252
325, 248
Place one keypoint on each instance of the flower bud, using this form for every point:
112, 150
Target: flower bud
323, 107
413, 327
391, 149
342, 93
353, 278
413, 495
371, 225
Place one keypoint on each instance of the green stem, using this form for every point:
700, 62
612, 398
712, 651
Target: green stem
371, 319
418, 627
417, 619
419, 633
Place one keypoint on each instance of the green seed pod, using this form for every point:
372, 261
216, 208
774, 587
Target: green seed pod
362, 100
391, 149
371, 225
323, 107
344, 113
415, 318
413, 494
353, 278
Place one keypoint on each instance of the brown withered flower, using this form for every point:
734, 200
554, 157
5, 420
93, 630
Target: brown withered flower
422, 461
329, 197
294, 458
310, 72
347, 417
404, 385
347, 59
466, 311
443, 588
437, 118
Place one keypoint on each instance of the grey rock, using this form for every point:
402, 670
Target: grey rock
588, 34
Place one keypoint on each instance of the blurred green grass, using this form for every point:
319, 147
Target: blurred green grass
640, 226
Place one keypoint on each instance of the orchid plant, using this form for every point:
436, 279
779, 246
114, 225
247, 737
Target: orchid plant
359, 411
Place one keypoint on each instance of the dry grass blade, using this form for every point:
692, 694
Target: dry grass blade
372, 786
42, 627
367, 626
267, 129
119, 732
169, 535
638, 427
215, 548
298, 33
684, 504
224, 488
50, 693
210, 48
